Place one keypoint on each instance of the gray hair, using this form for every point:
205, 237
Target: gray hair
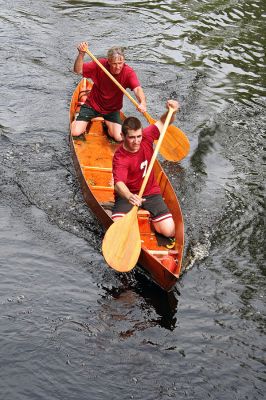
115, 51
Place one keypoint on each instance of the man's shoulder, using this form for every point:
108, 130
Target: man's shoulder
103, 61
151, 130
128, 67
121, 155
93, 66
129, 71
130, 77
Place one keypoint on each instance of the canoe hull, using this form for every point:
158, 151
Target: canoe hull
89, 198
94, 174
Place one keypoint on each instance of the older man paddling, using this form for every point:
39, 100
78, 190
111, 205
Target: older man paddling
130, 165
105, 98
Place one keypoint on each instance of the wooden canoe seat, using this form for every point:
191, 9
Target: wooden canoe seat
144, 222
97, 119
173, 253
100, 181
92, 168
143, 213
98, 176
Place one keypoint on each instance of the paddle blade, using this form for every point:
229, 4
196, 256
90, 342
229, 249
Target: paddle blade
121, 244
175, 145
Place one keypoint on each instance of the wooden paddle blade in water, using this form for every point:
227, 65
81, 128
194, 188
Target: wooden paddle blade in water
175, 145
121, 244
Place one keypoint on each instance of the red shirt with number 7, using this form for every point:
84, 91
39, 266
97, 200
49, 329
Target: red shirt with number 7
131, 168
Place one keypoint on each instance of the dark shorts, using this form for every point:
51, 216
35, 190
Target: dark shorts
87, 113
154, 204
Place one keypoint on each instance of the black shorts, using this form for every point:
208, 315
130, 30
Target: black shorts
153, 203
87, 113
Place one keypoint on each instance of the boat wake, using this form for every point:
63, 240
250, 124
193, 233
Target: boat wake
197, 252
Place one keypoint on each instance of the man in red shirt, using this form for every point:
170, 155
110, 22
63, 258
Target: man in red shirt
130, 164
105, 98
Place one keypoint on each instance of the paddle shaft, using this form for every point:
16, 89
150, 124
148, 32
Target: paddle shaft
116, 82
156, 150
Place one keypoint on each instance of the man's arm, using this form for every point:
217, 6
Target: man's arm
123, 191
141, 98
170, 103
78, 65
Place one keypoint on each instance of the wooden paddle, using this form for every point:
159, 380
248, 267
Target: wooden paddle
176, 145
122, 244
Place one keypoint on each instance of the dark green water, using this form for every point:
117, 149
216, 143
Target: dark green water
70, 328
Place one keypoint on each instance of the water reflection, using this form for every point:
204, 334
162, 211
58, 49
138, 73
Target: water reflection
158, 306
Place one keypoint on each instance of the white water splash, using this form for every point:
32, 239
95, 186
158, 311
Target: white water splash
197, 252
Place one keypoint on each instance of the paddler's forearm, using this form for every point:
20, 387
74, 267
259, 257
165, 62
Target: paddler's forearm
170, 103
163, 117
141, 98
78, 65
123, 191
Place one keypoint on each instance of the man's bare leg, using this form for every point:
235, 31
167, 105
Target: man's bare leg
78, 127
165, 227
114, 130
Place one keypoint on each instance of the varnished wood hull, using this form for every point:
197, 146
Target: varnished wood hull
93, 163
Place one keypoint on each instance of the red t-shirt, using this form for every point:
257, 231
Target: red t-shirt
105, 96
131, 168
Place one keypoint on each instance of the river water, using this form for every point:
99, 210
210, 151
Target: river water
70, 327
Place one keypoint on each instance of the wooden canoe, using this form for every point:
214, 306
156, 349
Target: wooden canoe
92, 155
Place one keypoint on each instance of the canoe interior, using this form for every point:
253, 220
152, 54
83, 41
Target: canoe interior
92, 157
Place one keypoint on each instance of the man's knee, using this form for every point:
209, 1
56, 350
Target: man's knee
114, 130
78, 128
166, 227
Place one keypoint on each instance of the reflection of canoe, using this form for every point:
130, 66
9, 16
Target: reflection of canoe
93, 163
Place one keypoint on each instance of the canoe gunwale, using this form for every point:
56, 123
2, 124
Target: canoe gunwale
159, 274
